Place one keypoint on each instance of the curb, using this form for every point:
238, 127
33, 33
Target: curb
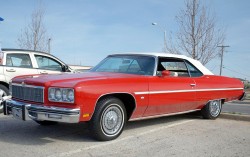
232, 116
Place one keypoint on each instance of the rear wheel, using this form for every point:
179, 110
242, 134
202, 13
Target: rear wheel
4, 91
211, 110
109, 119
45, 122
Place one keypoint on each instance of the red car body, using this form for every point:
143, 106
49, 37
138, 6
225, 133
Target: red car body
142, 96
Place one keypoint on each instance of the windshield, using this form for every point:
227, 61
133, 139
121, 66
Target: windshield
139, 65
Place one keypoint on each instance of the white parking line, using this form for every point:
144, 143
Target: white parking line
70, 153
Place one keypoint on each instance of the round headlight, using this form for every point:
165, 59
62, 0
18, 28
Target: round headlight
71, 95
64, 94
52, 93
58, 94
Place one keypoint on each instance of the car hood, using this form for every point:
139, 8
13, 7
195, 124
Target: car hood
68, 79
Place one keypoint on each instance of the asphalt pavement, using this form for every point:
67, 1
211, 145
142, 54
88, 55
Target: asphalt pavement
182, 135
237, 107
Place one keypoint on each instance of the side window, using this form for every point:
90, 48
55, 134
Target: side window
176, 67
18, 60
194, 72
48, 63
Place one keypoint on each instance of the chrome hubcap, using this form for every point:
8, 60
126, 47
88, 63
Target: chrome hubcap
112, 120
215, 107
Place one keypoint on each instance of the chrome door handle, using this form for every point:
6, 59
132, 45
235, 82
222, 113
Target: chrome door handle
11, 70
43, 72
192, 85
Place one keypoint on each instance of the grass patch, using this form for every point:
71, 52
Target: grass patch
247, 95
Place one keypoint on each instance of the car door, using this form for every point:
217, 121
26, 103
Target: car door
169, 94
18, 64
48, 65
201, 83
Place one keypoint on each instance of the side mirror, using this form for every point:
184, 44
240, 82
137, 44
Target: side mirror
165, 73
65, 68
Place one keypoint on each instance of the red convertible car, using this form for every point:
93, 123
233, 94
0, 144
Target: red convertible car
121, 88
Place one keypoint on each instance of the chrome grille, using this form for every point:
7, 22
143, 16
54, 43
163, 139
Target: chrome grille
28, 93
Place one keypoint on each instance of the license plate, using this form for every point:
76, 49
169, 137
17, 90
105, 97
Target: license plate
17, 113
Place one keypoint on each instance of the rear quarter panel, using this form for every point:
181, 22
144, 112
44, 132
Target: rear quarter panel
211, 87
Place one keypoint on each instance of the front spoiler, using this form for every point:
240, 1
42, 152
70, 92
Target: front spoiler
26, 111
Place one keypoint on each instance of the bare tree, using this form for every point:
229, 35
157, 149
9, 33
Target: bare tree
33, 36
198, 35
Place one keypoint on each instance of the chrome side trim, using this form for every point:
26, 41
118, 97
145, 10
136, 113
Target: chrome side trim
163, 115
189, 90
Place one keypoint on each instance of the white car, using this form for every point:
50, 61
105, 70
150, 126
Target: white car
15, 62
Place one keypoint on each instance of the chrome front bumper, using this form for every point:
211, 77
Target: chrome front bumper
26, 111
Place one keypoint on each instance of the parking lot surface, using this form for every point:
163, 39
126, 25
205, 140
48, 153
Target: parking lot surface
238, 107
185, 135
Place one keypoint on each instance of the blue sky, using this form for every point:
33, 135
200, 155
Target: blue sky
85, 31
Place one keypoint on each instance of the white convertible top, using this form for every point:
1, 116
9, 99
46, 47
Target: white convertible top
196, 63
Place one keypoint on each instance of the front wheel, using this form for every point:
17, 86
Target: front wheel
109, 119
211, 110
4, 91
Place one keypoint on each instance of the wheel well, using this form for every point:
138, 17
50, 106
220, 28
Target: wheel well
5, 84
222, 101
127, 99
